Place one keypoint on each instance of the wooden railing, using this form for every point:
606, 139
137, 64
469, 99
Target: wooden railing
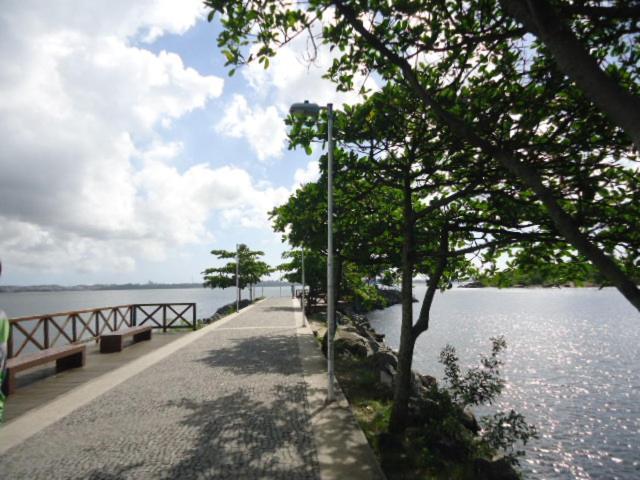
39, 332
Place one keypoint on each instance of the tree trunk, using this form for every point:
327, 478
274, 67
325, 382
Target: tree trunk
251, 292
410, 333
402, 381
422, 324
565, 223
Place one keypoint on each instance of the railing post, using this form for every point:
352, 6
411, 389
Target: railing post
74, 328
164, 318
132, 315
10, 342
193, 308
114, 312
97, 332
46, 332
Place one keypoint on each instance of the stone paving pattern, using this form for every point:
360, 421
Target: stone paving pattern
231, 405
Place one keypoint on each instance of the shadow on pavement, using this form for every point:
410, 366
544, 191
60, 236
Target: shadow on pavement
279, 309
277, 354
243, 436
112, 473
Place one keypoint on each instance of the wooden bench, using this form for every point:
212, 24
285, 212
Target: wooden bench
113, 342
66, 356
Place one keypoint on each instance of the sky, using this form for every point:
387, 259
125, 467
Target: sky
126, 151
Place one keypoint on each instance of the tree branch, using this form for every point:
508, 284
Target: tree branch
565, 224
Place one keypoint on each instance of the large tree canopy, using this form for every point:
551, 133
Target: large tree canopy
405, 202
522, 102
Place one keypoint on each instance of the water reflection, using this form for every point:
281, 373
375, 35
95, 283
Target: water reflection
572, 368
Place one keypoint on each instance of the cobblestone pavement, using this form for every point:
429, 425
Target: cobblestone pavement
231, 405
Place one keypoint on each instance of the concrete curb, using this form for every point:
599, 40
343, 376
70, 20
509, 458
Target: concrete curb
343, 450
20, 429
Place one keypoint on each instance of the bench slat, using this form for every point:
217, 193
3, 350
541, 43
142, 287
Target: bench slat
24, 362
66, 356
113, 341
124, 332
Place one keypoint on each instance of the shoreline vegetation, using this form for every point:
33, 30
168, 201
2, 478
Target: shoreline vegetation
551, 275
228, 309
445, 440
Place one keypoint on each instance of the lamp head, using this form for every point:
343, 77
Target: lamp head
305, 109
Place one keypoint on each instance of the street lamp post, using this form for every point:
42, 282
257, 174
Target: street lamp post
311, 110
237, 278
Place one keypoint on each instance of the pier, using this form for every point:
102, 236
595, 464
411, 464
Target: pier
241, 398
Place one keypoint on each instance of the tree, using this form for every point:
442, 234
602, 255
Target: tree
547, 165
250, 267
315, 269
302, 220
567, 30
405, 204
485, 83
435, 211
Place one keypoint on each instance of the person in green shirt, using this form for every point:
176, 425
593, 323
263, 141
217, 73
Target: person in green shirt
4, 338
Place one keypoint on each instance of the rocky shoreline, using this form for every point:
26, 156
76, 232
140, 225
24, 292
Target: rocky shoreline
356, 339
227, 309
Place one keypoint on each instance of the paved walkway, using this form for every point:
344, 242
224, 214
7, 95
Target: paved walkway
233, 403
240, 399
41, 385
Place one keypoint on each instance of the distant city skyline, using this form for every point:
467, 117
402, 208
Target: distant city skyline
128, 153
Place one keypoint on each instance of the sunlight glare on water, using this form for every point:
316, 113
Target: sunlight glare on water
572, 368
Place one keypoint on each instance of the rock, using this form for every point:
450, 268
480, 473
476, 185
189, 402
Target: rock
350, 343
496, 469
423, 410
421, 384
451, 448
391, 295
385, 358
468, 419
387, 297
427, 381
349, 328
231, 308
340, 318
364, 329
386, 378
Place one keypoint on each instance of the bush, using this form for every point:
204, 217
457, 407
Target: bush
503, 431
481, 386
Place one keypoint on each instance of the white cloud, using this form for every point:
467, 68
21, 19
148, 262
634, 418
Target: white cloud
31, 247
306, 175
263, 128
290, 78
163, 151
182, 202
142, 19
87, 182
168, 208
